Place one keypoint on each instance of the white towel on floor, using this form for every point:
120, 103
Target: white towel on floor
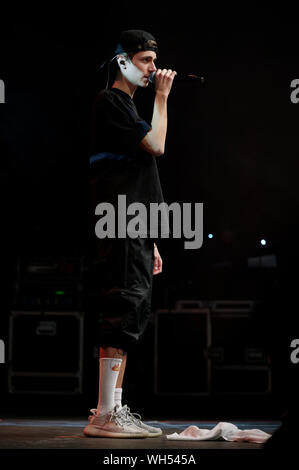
226, 431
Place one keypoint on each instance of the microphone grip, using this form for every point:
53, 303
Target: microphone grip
181, 77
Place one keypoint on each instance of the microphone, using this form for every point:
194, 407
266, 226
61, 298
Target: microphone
181, 77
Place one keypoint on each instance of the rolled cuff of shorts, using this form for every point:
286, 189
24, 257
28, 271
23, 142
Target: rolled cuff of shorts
116, 338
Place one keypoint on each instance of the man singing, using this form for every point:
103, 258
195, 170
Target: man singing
123, 162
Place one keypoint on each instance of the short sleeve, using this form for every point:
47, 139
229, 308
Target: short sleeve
119, 123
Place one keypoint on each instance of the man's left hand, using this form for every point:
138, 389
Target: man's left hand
157, 261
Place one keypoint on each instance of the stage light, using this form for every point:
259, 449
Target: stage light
263, 242
210, 235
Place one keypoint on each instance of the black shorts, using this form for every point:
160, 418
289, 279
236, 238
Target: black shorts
123, 273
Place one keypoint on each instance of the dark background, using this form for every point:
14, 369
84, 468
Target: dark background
231, 144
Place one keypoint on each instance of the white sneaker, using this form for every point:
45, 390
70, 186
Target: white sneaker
136, 419
113, 424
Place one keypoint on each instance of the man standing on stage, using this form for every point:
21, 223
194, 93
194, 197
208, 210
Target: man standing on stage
123, 162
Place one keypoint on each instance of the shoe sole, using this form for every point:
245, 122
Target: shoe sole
154, 434
94, 431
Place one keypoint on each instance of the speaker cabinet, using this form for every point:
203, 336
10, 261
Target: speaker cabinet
213, 350
45, 352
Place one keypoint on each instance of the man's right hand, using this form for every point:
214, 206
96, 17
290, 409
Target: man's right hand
163, 81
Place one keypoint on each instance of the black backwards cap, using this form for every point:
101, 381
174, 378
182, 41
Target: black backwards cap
132, 41
136, 40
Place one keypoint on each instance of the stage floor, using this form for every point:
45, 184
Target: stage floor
51, 433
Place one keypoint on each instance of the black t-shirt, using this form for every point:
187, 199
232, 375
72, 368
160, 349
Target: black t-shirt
117, 164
